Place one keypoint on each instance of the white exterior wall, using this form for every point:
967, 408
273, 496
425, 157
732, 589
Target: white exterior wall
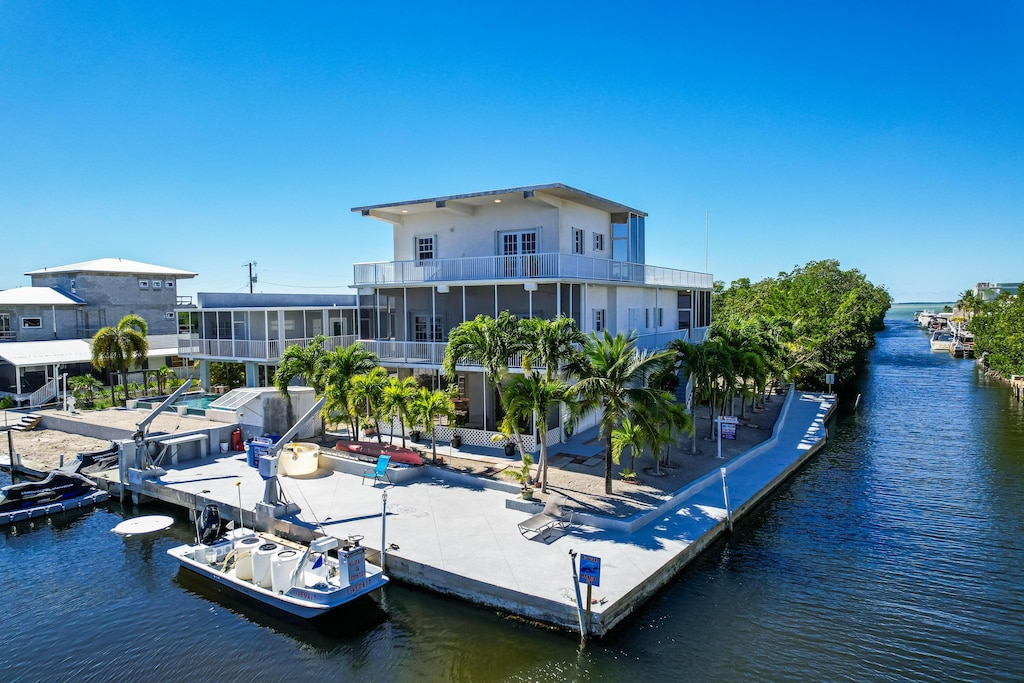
578, 217
641, 299
457, 236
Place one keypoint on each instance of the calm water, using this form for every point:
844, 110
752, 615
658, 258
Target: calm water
896, 554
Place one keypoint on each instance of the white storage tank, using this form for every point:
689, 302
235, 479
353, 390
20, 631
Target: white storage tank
261, 558
281, 568
298, 459
243, 562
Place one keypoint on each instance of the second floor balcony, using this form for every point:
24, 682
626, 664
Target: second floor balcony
190, 345
554, 266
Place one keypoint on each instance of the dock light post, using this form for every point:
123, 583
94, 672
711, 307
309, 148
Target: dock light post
383, 530
718, 428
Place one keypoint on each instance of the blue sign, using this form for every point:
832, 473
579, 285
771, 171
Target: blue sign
590, 570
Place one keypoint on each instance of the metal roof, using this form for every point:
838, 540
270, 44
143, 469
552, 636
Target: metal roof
559, 190
38, 296
114, 265
35, 353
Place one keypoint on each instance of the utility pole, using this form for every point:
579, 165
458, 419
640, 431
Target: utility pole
252, 277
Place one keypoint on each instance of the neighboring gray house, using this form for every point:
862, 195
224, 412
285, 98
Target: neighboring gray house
111, 288
45, 328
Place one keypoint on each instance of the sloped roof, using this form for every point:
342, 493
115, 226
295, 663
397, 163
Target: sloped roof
484, 198
114, 265
32, 353
38, 296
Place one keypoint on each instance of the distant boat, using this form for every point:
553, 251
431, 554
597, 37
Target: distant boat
941, 340
302, 580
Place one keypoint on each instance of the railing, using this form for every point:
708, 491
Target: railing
525, 266
470, 437
192, 346
44, 393
8, 336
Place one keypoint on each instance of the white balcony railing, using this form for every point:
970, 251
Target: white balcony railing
388, 351
192, 346
525, 266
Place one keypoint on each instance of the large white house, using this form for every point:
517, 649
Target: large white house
538, 251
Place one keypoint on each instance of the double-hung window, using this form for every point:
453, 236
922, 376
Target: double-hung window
598, 241
577, 241
599, 319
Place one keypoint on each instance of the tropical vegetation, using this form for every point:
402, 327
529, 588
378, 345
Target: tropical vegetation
118, 348
998, 328
813, 320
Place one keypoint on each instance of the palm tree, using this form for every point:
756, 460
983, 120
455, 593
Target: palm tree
529, 395
657, 429
118, 348
613, 378
631, 435
551, 343
85, 387
163, 374
489, 342
305, 362
396, 400
367, 392
693, 359
340, 366
430, 406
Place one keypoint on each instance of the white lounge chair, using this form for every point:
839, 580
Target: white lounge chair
556, 514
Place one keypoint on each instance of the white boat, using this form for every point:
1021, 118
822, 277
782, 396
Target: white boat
941, 340
302, 580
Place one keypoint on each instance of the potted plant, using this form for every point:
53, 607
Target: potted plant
456, 440
522, 475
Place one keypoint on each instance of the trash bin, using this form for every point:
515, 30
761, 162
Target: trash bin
249, 455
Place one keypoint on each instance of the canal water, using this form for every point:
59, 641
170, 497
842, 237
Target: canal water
895, 554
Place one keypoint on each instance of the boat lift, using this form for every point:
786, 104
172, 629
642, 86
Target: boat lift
140, 460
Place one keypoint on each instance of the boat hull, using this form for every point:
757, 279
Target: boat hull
303, 602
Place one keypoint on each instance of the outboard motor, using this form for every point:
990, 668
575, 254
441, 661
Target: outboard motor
208, 526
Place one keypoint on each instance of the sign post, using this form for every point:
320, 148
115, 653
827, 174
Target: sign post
726, 430
830, 379
590, 574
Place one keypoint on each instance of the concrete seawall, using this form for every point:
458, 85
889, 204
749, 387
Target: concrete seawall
458, 535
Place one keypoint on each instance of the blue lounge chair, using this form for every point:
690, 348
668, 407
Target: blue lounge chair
380, 471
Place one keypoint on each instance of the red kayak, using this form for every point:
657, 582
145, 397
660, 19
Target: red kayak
367, 450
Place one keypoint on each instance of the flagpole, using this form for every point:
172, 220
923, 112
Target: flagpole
705, 240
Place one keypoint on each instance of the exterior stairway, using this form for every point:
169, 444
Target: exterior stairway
26, 423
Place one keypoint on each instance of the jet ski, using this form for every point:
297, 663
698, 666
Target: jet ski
57, 486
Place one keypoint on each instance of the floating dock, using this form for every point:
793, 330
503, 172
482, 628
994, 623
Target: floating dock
75, 503
457, 535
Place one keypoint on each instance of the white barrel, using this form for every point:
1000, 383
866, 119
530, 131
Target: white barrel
261, 558
281, 568
243, 560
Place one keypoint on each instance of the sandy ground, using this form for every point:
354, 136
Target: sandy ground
41, 448
582, 483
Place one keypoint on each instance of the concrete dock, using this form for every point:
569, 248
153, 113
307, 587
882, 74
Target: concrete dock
458, 535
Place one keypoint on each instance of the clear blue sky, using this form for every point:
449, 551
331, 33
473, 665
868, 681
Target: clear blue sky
889, 135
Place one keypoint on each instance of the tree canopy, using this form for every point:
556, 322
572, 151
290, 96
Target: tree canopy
998, 329
822, 319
